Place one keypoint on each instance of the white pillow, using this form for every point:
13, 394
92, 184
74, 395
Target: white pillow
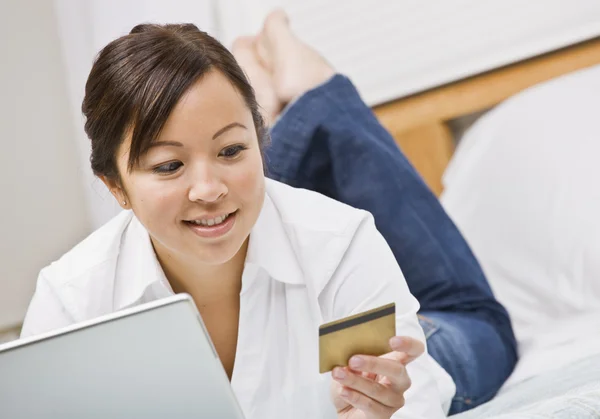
524, 188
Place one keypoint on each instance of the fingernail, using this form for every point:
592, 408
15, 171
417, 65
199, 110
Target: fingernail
345, 393
356, 362
396, 342
339, 373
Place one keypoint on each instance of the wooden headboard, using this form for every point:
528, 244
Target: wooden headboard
419, 123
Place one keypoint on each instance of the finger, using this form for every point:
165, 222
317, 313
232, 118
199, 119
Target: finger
338, 402
387, 396
370, 407
412, 347
395, 371
369, 376
396, 356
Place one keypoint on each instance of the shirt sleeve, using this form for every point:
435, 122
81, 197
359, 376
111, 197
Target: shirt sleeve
367, 277
45, 312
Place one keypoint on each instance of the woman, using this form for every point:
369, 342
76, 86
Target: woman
177, 137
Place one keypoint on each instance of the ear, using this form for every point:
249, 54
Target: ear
115, 188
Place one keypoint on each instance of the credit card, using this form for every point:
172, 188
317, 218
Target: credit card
366, 333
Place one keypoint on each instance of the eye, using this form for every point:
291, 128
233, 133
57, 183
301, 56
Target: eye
233, 151
168, 168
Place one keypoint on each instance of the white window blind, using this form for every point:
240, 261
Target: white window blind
393, 48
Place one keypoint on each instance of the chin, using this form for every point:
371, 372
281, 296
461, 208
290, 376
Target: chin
219, 253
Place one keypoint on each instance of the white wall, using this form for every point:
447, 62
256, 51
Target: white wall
42, 211
85, 27
49, 198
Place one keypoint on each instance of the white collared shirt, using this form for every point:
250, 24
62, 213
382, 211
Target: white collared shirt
310, 260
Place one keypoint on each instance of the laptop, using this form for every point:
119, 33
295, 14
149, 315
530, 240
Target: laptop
152, 361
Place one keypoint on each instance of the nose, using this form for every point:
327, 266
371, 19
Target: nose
206, 185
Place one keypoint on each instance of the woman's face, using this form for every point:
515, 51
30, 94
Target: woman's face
200, 187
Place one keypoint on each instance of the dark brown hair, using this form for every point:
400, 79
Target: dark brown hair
137, 80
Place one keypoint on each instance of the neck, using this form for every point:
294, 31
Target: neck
207, 284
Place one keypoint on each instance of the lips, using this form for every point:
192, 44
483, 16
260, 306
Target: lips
209, 222
202, 227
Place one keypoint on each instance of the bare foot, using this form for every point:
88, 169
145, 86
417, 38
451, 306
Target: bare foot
295, 67
245, 52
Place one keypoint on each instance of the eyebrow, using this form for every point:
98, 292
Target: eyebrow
163, 143
227, 128
178, 144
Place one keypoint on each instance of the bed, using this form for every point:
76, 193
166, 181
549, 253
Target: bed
422, 124
523, 186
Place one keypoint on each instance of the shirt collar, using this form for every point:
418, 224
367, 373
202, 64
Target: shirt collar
137, 267
269, 249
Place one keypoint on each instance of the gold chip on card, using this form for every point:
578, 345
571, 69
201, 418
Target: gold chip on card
366, 333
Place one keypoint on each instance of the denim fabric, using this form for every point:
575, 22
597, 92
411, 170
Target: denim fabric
329, 141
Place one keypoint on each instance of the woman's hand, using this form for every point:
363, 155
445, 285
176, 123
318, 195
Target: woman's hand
373, 387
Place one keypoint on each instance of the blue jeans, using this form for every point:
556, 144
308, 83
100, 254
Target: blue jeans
329, 141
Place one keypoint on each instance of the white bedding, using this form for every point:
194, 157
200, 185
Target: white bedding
524, 188
568, 393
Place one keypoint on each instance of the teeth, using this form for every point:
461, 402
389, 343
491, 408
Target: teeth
211, 222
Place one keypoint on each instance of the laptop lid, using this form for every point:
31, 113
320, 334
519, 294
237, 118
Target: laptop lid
152, 361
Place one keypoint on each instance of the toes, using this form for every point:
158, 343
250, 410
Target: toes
275, 21
275, 29
263, 52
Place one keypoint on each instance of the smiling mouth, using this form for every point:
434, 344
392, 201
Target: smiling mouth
212, 227
210, 222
